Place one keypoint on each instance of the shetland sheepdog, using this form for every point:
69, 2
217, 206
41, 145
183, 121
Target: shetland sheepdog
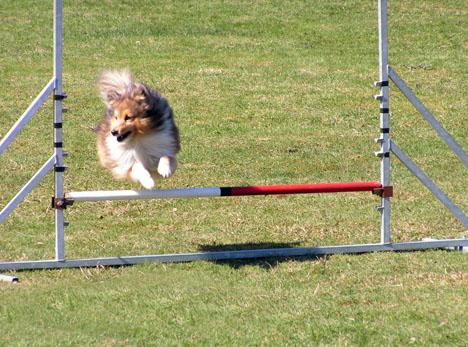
137, 139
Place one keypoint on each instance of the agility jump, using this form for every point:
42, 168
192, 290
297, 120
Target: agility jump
61, 200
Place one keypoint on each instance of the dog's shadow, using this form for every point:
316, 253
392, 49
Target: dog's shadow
267, 263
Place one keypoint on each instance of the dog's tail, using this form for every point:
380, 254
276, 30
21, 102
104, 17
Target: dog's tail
114, 85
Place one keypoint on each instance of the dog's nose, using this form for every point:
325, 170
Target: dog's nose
114, 132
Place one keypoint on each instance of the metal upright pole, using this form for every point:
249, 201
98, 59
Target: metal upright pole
58, 97
384, 139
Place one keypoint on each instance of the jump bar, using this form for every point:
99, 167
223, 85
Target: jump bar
223, 191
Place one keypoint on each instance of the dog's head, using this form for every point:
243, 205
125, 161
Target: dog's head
128, 116
127, 104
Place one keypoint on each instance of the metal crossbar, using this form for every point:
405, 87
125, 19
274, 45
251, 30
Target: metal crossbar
222, 191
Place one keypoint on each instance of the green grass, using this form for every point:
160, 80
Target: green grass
265, 92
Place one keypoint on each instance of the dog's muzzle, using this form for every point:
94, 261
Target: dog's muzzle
120, 137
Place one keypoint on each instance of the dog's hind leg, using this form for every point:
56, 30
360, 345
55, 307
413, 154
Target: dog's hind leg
167, 166
140, 174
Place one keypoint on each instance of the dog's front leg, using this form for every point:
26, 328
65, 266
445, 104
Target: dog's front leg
167, 166
140, 174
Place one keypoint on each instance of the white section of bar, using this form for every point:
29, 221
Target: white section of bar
233, 255
426, 181
144, 194
58, 175
384, 120
34, 181
455, 147
27, 115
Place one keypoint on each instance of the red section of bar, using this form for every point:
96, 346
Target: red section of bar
305, 188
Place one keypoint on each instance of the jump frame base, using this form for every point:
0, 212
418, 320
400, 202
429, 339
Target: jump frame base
460, 244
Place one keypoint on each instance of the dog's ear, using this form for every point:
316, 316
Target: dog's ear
114, 84
110, 96
140, 94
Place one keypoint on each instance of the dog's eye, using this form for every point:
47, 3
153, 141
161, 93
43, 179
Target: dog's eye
127, 117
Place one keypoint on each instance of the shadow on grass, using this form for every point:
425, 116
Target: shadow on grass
265, 263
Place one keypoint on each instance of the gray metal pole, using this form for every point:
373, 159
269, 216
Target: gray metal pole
443, 134
384, 139
58, 96
426, 181
27, 115
232, 255
34, 181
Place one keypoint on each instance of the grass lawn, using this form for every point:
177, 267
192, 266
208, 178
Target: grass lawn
264, 92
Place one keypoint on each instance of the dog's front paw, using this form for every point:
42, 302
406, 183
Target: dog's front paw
164, 171
166, 166
140, 174
147, 182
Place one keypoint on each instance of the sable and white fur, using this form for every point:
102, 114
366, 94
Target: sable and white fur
137, 138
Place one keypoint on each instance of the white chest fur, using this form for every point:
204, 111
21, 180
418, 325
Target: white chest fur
146, 150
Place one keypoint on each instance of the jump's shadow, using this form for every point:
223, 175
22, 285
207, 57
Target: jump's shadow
265, 263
